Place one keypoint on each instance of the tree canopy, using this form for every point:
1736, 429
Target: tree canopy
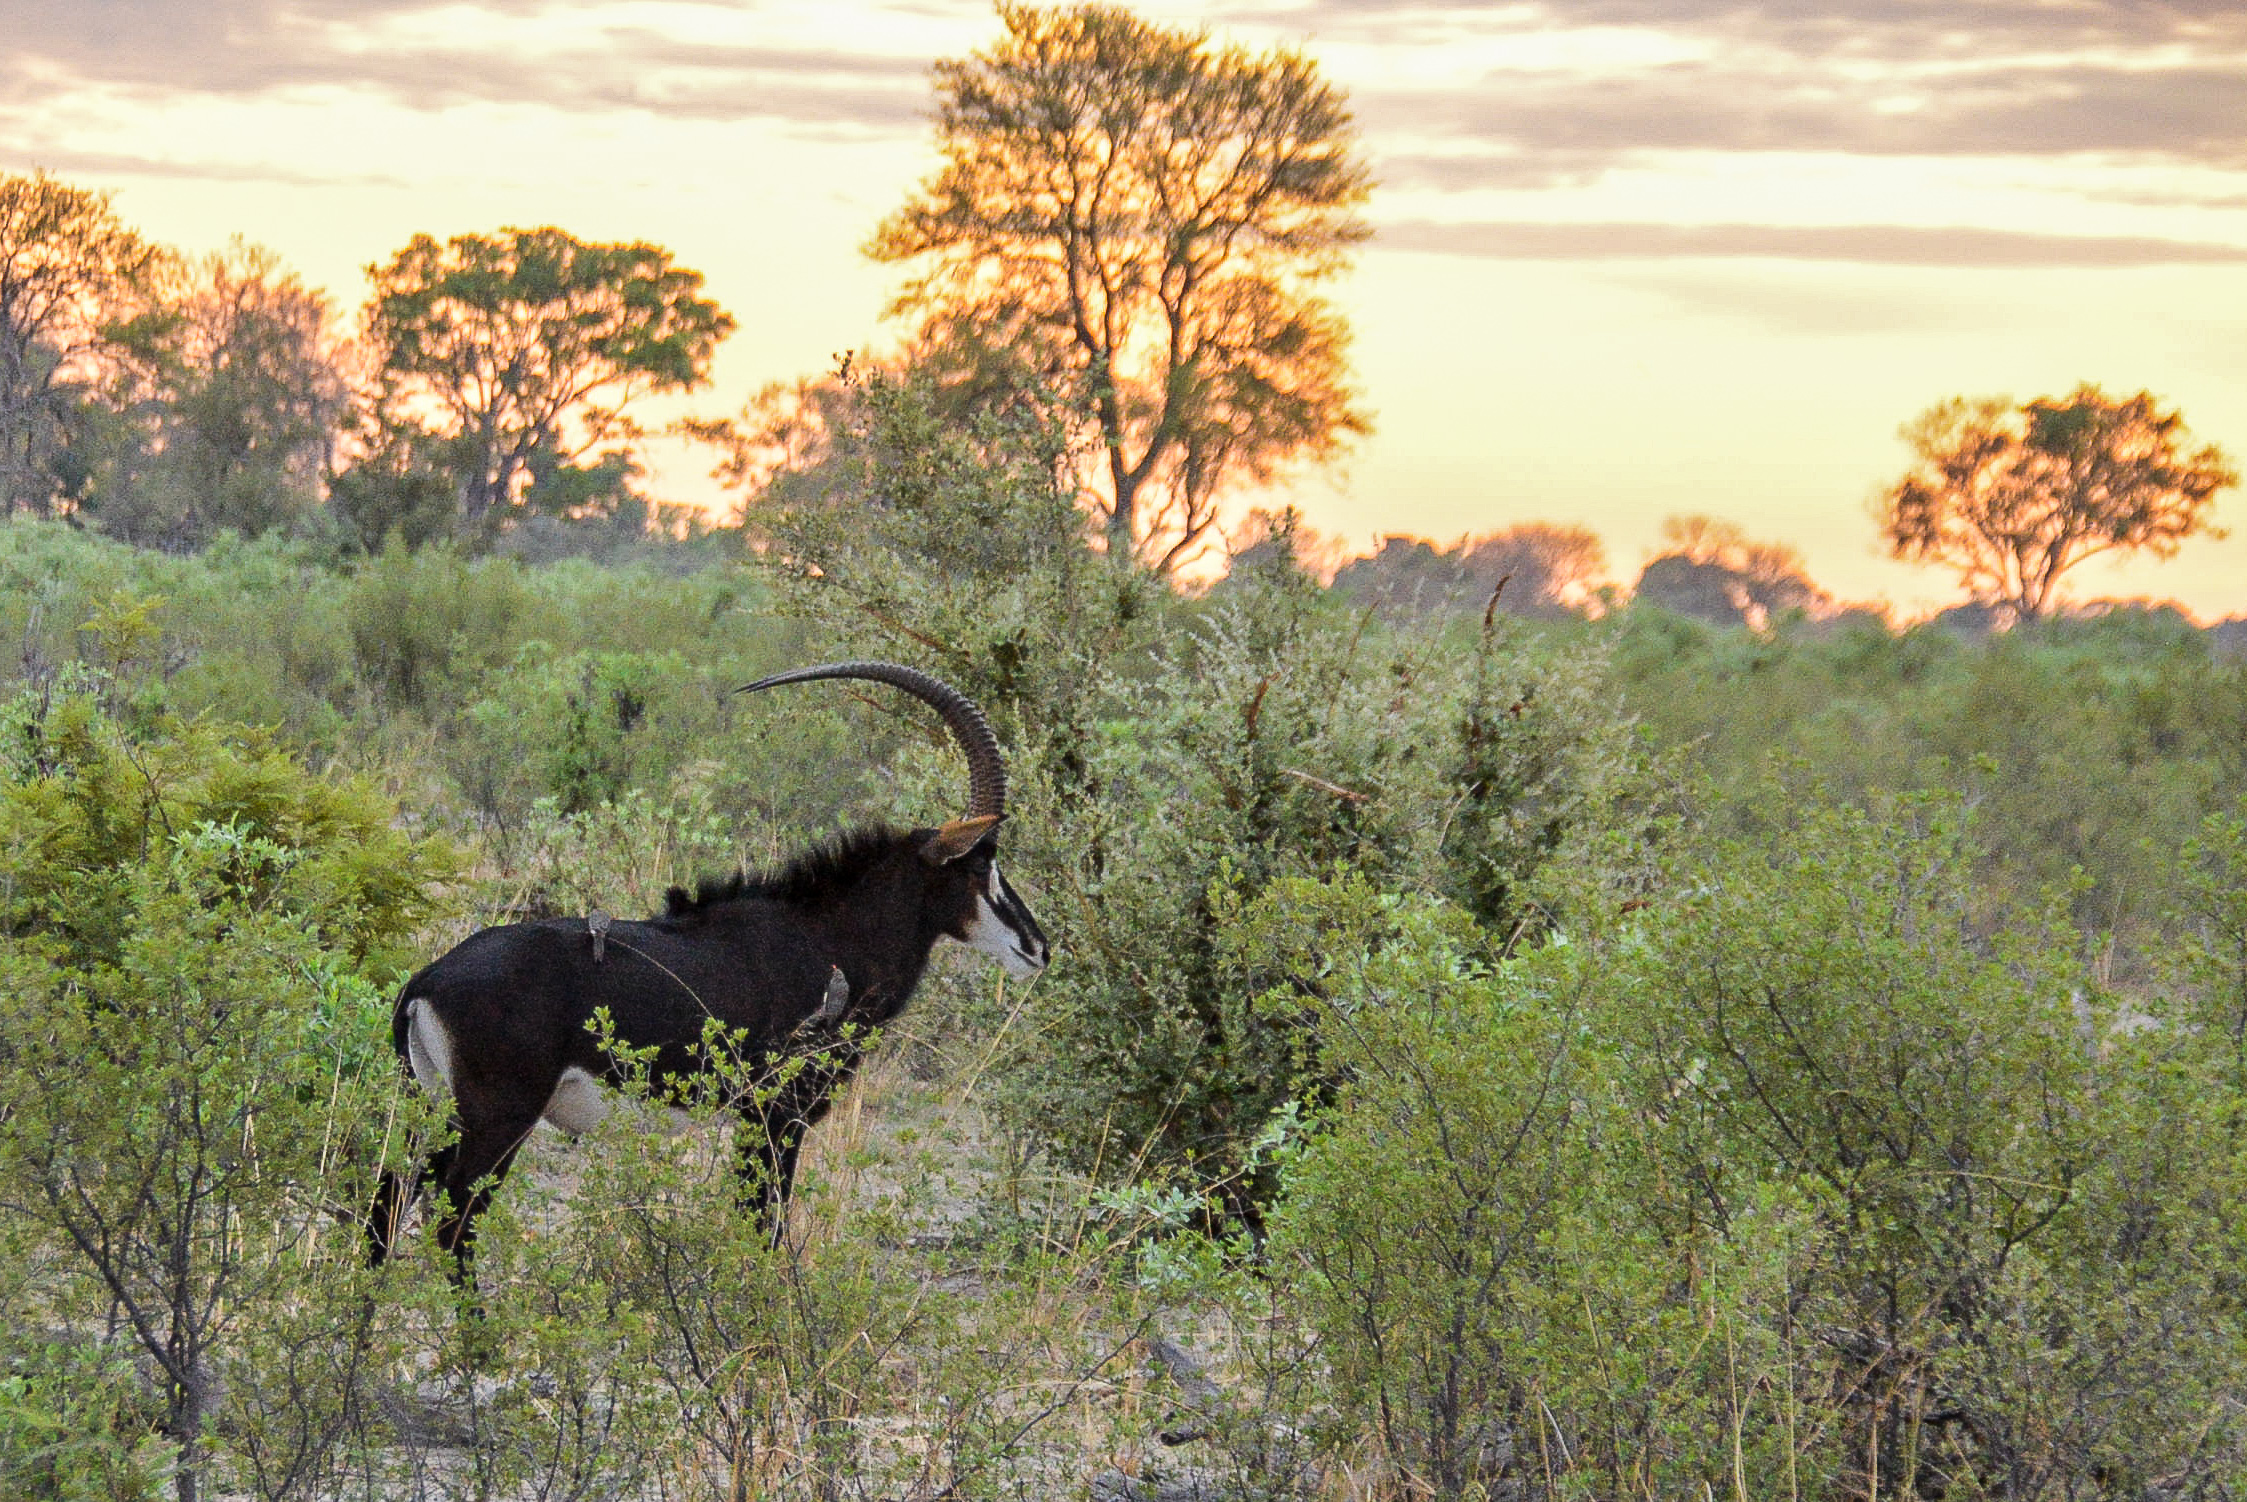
231, 398
1138, 218
1714, 572
1549, 568
69, 267
2014, 497
1543, 570
507, 359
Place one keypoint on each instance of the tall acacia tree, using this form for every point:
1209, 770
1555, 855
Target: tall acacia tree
516, 354
1142, 216
2013, 498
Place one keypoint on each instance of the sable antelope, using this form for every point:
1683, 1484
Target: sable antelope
813, 953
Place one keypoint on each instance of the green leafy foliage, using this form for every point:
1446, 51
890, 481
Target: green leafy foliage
1455, 1222
1420, 1217
88, 806
1965, 1119
76, 1427
2092, 748
1824, 1176
194, 1073
1167, 760
578, 721
230, 397
69, 268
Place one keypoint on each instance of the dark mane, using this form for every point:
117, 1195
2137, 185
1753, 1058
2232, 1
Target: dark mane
834, 863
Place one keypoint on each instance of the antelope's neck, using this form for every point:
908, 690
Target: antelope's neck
882, 969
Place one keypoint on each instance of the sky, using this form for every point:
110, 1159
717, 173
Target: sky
1633, 258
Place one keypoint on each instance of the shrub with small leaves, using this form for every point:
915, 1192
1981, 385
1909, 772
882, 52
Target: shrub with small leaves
195, 1078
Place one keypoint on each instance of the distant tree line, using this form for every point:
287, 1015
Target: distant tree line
1124, 242
1709, 570
2010, 497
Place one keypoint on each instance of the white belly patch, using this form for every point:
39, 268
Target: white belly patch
578, 1103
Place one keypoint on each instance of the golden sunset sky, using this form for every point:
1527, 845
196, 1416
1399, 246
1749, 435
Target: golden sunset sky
1634, 257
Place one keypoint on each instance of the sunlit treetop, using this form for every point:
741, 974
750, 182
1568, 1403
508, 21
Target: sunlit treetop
2012, 498
527, 345
68, 268
1140, 215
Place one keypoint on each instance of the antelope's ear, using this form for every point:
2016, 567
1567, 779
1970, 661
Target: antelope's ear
956, 838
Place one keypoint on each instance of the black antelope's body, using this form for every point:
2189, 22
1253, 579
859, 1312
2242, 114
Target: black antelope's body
800, 961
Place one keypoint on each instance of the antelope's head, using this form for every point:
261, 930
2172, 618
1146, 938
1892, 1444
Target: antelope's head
976, 905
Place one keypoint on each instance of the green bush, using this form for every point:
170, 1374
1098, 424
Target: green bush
2092, 747
1788, 1129
1841, 1012
1280, 743
1167, 756
621, 857
1454, 1223
88, 804
584, 728
1419, 1223
195, 1077
75, 1426
1824, 1173
426, 623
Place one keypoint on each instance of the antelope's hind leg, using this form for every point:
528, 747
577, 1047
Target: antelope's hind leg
394, 1195
467, 1170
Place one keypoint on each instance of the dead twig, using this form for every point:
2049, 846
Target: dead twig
1347, 795
1490, 611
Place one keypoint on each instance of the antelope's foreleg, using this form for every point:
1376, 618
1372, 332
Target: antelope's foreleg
773, 1122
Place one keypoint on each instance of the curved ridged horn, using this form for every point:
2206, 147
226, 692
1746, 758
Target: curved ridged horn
986, 775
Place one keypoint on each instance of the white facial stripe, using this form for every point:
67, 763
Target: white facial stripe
992, 934
985, 931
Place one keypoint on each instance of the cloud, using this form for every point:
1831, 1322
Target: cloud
2161, 82
66, 162
1470, 169
1819, 302
2118, 78
407, 50
2173, 197
2189, 114
1882, 76
1876, 244
1899, 30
